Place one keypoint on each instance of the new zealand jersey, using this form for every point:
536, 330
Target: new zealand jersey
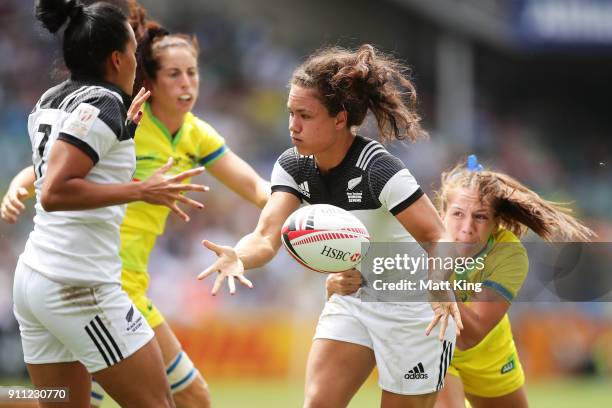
80, 247
370, 182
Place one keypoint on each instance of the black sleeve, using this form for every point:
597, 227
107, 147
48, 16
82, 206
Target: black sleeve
392, 184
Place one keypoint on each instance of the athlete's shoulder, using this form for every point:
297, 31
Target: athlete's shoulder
504, 235
508, 253
293, 162
108, 103
367, 152
507, 244
199, 126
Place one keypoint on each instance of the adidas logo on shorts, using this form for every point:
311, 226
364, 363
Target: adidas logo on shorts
417, 373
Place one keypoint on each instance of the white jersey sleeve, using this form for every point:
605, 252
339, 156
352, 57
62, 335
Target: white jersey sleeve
390, 181
94, 125
284, 173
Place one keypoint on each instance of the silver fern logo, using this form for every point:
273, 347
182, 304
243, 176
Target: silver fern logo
352, 183
353, 196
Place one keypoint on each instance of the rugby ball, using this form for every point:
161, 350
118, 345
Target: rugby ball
325, 238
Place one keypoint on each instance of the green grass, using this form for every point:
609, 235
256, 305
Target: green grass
571, 393
567, 393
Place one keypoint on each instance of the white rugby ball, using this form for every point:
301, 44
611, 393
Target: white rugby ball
325, 238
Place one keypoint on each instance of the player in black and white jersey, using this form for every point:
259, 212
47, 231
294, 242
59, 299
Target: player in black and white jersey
330, 94
73, 316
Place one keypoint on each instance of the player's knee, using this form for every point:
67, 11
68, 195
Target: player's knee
315, 396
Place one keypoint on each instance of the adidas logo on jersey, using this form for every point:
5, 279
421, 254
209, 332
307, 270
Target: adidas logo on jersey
417, 373
303, 187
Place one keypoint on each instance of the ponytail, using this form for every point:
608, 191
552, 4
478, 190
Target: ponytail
53, 14
92, 33
515, 206
362, 80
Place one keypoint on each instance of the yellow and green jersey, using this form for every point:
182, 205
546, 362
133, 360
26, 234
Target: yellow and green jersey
195, 144
505, 267
492, 368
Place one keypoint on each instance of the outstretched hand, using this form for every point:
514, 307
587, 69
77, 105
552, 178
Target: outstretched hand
134, 113
165, 190
228, 265
442, 310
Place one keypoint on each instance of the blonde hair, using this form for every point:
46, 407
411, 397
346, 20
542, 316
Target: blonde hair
516, 207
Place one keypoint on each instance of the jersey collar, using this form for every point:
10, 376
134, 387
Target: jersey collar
125, 98
173, 140
347, 157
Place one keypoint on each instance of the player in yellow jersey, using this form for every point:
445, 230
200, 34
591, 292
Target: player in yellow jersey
168, 66
486, 212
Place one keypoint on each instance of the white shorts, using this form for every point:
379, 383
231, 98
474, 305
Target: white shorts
408, 361
98, 326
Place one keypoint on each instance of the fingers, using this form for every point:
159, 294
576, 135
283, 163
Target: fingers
134, 112
217, 249
208, 271
457, 317
7, 216
245, 281
10, 209
163, 169
189, 201
443, 326
22, 193
14, 207
175, 209
232, 285
217, 284
137, 118
15, 204
139, 100
187, 174
432, 324
186, 187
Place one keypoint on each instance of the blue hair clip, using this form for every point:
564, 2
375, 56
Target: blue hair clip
472, 163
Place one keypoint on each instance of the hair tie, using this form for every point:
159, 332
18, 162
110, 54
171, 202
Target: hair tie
74, 8
157, 32
472, 164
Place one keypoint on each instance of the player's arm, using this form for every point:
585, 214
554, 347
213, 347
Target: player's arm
73, 156
66, 189
422, 221
20, 189
255, 249
484, 312
241, 178
425, 229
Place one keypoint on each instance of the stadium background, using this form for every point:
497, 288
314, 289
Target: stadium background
525, 84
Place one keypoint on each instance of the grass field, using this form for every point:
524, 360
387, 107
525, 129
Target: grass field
278, 394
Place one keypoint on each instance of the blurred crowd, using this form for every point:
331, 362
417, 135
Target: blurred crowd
550, 144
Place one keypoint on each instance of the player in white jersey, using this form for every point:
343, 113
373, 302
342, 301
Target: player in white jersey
73, 316
330, 94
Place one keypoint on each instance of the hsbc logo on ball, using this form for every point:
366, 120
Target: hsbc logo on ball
339, 254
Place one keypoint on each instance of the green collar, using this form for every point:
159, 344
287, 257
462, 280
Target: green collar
173, 140
481, 254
